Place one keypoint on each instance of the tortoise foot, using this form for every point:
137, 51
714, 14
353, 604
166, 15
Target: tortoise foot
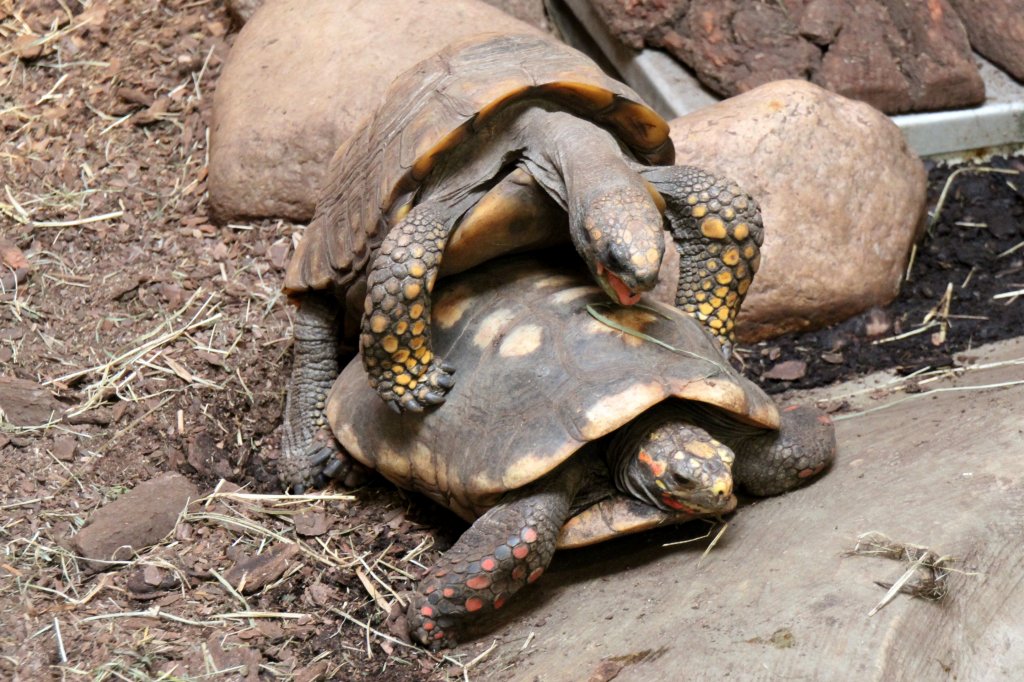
318, 462
423, 390
507, 548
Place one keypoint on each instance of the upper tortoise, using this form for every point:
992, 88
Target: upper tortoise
485, 148
564, 431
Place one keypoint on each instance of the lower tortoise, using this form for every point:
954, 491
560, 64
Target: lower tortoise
565, 430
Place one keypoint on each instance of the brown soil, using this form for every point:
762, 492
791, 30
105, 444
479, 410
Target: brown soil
163, 341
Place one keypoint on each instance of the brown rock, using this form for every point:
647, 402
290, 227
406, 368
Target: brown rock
894, 54
26, 403
137, 519
301, 75
530, 11
65, 448
996, 30
842, 196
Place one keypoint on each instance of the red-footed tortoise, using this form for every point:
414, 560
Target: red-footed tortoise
555, 409
472, 154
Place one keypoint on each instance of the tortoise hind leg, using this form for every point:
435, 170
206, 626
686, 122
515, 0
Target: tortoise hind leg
505, 549
776, 462
309, 452
718, 232
395, 338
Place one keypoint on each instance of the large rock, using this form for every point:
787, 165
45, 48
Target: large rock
897, 55
299, 79
843, 199
996, 30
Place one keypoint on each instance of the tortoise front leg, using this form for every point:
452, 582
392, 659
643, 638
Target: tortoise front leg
718, 232
507, 548
775, 462
395, 339
309, 452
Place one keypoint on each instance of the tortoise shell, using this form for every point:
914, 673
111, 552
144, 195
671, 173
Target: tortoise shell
432, 109
539, 377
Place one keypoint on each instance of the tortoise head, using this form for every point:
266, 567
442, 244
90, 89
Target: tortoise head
621, 238
677, 467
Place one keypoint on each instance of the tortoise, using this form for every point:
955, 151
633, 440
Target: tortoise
565, 430
498, 143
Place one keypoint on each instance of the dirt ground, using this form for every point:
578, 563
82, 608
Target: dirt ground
160, 343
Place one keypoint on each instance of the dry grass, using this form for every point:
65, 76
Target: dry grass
925, 577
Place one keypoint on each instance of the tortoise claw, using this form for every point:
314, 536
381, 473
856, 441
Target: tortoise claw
297, 489
412, 405
320, 456
444, 381
395, 407
331, 468
433, 398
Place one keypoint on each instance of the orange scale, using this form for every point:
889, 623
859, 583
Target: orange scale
478, 582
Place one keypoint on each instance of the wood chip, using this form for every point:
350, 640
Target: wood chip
255, 573
790, 370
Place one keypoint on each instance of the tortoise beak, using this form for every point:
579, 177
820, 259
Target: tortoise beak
616, 289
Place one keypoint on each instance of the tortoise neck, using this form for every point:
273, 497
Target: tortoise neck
622, 454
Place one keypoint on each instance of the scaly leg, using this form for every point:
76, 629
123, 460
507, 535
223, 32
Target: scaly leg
718, 231
395, 339
507, 548
776, 462
309, 452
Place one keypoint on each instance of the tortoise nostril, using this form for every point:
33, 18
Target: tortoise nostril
618, 259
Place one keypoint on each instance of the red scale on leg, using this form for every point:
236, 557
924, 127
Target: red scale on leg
478, 582
500, 600
474, 604
519, 572
537, 572
529, 534
488, 563
520, 551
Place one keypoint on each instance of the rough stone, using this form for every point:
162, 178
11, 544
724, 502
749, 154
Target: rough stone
26, 403
897, 55
996, 30
299, 78
137, 519
842, 196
